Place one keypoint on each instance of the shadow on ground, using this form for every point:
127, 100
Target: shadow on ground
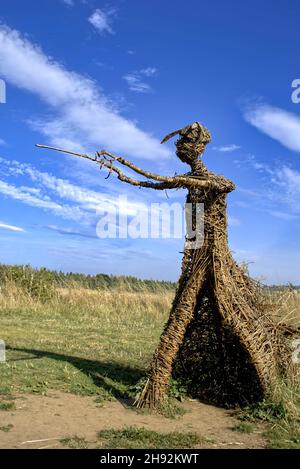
98, 372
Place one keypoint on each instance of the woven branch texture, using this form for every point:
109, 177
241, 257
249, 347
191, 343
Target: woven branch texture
219, 337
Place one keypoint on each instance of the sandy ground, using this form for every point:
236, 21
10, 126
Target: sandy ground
60, 415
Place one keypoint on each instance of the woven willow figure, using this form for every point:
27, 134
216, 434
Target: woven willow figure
218, 336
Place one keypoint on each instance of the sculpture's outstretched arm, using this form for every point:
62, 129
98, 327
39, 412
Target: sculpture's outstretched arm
134, 182
111, 157
121, 160
164, 182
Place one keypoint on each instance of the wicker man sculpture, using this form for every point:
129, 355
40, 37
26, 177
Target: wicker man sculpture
218, 336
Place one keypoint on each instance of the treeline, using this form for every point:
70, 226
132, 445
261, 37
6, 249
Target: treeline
278, 288
40, 280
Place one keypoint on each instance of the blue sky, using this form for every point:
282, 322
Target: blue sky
87, 74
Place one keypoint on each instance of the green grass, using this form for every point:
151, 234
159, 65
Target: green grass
283, 435
171, 409
135, 438
281, 418
84, 342
4, 405
243, 427
6, 428
74, 442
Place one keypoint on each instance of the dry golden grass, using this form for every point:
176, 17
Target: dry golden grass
285, 305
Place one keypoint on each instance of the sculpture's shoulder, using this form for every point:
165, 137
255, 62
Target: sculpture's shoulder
224, 184
213, 180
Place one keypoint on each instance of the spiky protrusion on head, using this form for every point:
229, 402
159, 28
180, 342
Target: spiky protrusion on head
192, 143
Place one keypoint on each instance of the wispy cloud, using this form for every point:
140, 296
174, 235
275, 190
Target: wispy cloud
135, 80
227, 148
69, 231
101, 20
70, 3
49, 193
254, 163
288, 180
277, 123
2, 142
149, 71
17, 229
280, 195
291, 178
85, 119
282, 184
65, 211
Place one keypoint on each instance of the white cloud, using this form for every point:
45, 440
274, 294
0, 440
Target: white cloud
83, 204
65, 211
136, 84
16, 229
277, 123
2, 142
288, 181
291, 178
69, 2
84, 116
135, 79
71, 202
280, 195
259, 166
149, 71
101, 21
227, 148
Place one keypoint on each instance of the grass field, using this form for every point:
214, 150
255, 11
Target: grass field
99, 342
80, 341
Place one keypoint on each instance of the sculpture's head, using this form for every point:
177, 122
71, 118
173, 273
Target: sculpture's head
192, 143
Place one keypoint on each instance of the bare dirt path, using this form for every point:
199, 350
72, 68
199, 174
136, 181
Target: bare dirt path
59, 415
